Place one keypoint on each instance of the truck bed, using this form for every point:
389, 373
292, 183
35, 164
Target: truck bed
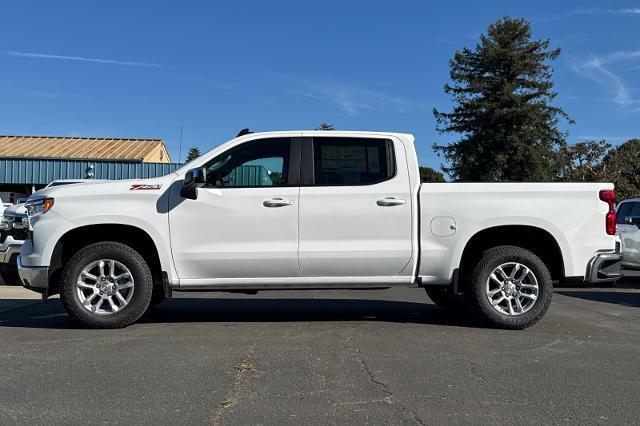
452, 213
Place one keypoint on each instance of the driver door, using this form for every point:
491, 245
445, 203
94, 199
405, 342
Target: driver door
244, 223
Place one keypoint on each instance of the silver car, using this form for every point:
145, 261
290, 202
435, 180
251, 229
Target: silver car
628, 223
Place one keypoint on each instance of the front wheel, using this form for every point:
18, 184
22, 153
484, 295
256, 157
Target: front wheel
510, 287
106, 285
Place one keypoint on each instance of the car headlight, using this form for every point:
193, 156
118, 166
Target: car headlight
38, 206
20, 223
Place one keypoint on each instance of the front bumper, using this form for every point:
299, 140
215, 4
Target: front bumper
604, 268
34, 278
9, 250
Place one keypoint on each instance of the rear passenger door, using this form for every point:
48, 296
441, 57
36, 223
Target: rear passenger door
355, 209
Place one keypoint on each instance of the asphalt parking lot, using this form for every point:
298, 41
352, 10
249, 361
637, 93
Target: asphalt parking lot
312, 357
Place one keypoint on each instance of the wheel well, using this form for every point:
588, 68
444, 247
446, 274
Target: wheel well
537, 240
78, 238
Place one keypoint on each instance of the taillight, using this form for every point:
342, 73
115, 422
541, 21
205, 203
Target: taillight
610, 223
609, 197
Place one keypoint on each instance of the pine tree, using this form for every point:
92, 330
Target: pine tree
193, 154
325, 126
502, 92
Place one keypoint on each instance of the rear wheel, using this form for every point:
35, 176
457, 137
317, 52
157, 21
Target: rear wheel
510, 287
106, 285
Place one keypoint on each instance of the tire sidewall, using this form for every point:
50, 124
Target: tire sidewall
124, 254
498, 256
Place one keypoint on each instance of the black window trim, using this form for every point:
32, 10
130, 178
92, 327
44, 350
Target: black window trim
307, 177
295, 160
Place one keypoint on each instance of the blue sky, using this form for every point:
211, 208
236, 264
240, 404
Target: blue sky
144, 68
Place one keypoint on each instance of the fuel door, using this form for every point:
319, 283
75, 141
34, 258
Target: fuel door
443, 226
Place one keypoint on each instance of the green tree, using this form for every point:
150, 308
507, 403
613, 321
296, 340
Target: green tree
621, 166
325, 126
583, 161
429, 175
502, 94
193, 154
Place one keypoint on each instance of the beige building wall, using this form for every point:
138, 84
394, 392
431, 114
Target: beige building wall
158, 155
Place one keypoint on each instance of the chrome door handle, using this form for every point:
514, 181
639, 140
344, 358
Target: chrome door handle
277, 202
390, 201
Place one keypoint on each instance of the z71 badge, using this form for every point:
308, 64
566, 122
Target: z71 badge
144, 187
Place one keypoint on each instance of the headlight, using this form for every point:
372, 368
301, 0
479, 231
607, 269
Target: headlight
38, 206
20, 223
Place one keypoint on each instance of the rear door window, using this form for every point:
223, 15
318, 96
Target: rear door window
352, 161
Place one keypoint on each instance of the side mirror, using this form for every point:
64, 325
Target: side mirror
194, 179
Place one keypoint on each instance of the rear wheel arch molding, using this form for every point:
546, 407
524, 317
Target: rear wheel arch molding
530, 237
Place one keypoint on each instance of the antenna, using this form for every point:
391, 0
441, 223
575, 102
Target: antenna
180, 151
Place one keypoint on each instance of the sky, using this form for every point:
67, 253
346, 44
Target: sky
146, 69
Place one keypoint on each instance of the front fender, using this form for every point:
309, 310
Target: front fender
52, 227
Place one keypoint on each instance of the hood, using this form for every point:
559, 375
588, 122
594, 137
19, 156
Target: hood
106, 188
16, 210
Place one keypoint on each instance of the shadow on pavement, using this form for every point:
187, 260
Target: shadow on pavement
284, 310
10, 304
617, 297
621, 294
186, 310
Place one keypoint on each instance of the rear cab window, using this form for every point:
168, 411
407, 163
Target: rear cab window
352, 161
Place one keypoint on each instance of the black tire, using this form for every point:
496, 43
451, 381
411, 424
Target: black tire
443, 298
479, 301
143, 285
9, 275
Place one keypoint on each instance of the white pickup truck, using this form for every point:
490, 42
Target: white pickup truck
316, 210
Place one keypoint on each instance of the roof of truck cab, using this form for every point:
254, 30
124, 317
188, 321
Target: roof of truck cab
328, 133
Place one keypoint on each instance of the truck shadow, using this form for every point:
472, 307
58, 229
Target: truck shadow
301, 310
626, 292
203, 310
625, 298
